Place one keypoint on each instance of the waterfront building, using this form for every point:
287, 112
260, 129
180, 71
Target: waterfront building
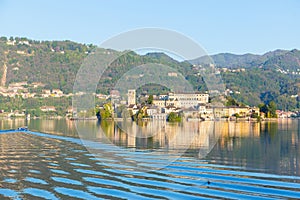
182, 100
131, 97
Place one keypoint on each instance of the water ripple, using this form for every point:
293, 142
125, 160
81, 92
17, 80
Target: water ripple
8, 193
66, 180
27, 172
58, 171
75, 193
40, 193
10, 180
35, 180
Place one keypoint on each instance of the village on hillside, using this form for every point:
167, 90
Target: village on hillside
190, 106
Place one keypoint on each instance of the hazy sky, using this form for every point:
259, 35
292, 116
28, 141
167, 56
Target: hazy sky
254, 26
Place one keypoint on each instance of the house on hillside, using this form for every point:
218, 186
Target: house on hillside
57, 93
133, 109
48, 109
152, 110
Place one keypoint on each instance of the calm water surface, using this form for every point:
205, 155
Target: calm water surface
191, 160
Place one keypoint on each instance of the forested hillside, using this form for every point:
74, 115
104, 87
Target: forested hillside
53, 63
273, 76
249, 78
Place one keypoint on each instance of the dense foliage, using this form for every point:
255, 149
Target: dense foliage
174, 117
32, 105
55, 63
269, 109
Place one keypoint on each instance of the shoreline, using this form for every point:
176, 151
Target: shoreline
151, 119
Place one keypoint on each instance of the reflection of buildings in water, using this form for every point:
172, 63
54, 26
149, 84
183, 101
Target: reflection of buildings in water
287, 124
159, 134
145, 134
64, 127
70, 123
295, 141
131, 140
12, 123
131, 134
191, 135
47, 125
162, 134
110, 132
230, 131
241, 129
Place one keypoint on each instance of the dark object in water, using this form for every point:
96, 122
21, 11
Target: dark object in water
25, 128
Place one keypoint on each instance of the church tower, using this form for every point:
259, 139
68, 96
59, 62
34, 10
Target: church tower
131, 97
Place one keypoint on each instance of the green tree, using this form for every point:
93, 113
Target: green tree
107, 111
231, 102
174, 117
142, 113
150, 99
272, 109
3, 39
237, 115
268, 109
263, 108
120, 110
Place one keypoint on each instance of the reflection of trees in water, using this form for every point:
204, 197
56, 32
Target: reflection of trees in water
12, 123
270, 149
269, 129
63, 126
265, 145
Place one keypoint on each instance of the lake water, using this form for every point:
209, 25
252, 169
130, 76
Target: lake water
62, 159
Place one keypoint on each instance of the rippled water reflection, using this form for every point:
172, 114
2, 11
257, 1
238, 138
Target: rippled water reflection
248, 160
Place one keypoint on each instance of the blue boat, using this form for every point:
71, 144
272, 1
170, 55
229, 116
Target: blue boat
24, 128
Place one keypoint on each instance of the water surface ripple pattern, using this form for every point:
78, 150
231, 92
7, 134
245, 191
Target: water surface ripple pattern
41, 165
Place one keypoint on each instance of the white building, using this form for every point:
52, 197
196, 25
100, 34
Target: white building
183, 100
131, 97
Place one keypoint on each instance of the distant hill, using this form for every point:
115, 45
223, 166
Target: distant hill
161, 57
289, 60
282, 58
231, 60
273, 76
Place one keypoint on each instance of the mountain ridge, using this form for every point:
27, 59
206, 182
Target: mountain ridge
248, 60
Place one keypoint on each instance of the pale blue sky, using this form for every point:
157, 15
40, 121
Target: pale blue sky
254, 26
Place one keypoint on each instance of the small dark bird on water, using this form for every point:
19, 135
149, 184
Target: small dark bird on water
208, 182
